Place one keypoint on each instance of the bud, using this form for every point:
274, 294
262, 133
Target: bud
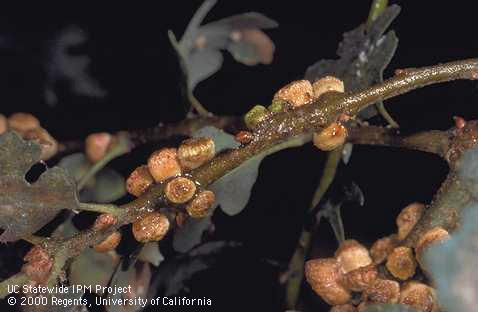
382, 291
109, 243
460, 122
104, 221
325, 278
330, 137
139, 180
401, 263
327, 84
407, 219
97, 145
200, 205
38, 264
180, 190
382, 248
361, 278
192, 153
419, 296
49, 146
23, 122
3, 124
180, 218
163, 164
278, 106
352, 255
433, 236
151, 227
244, 137
297, 93
255, 116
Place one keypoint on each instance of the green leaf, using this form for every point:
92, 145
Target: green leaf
331, 208
66, 229
452, 265
389, 308
378, 6
199, 48
191, 233
468, 171
202, 64
106, 187
137, 277
76, 164
25, 207
232, 190
347, 152
150, 253
222, 140
93, 268
363, 54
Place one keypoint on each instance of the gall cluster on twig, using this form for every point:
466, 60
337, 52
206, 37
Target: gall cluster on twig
292, 96
383, 274
170, 167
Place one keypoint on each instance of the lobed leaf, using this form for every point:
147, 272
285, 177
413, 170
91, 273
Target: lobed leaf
199, 48
363, 54
25, 207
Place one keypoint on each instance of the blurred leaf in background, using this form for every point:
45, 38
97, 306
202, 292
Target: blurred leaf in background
62, 65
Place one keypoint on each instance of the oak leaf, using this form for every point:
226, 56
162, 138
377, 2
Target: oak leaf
26, 207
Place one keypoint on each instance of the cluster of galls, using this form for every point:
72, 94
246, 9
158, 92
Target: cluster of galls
292, 96
382, 274
170, 167
29, 128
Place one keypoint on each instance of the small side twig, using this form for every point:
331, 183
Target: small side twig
434, 141
162, 132
101, 208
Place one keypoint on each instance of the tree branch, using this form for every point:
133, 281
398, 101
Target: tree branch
274, 130
452, 197
407, 80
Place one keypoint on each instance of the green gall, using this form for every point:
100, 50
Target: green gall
278, 106
253, 117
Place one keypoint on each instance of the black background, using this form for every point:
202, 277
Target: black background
134, 63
